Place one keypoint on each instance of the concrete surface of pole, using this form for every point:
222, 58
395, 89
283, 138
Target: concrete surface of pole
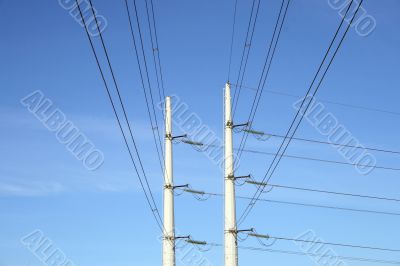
230, 229
169, 226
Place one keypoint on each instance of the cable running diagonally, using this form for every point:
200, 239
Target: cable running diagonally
232, 38
333, 143
155, 49
153, 123
245, 53
300, 204
266, 68
148, 192
353, 106
317, 255
285, 144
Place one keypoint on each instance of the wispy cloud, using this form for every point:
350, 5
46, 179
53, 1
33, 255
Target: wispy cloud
16, 119
24, 188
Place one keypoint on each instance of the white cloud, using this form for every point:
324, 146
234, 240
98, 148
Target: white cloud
30, 189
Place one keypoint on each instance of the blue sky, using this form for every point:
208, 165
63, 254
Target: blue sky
101, 217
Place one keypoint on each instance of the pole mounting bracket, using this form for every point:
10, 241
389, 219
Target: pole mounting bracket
181, 186
241, 125
243, 176
182, 237
180, 136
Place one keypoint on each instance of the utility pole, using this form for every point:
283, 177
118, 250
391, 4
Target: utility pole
169, 223
230, 228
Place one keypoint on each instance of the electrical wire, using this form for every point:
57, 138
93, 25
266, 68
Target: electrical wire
334, 144
153, 124
353, 106
334, 244
147, 76
148, 194
266, 69
319, 255
158, 48
382, 167
251, 204
232, 38
307, 204
245, 53
334, 193
155, 49
324, 160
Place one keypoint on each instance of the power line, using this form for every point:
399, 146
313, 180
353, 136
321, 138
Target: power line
158, 48
148, 194
303, 157
154, 125
251, 204
359, 107
121, 102
334, 192
155, 49
334, 244
298, 203
272, 48
331, 143
246, 52
324, 160
232, 38
319, 255
327, 207
147, 75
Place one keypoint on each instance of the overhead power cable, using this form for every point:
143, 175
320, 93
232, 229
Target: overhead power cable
285, 144
324, 160
158, 48
203, 193
265, 71
232, 38
372, 166
311, 254
144, 184
334, 192
334, 244
153, 124
298, 97
328, 143
148, 76
155, 49
246, 52
317, 255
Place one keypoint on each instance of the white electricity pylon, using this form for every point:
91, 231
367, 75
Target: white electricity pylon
230, 227
168, 258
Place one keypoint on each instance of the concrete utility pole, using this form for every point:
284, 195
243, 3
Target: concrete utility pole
230, 232
169, 223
